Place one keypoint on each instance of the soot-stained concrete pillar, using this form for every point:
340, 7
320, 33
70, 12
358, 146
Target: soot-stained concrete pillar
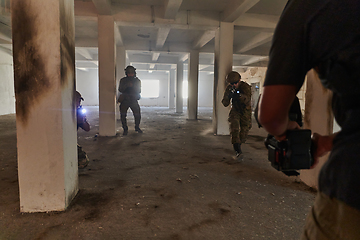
107, 83
224, 38
318, 118
193, 81
43, 34
172, 89
179, 87
119, 73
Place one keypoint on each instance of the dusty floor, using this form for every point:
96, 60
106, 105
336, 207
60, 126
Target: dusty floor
175, 181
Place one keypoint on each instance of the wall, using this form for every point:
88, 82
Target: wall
87, 83
206, 92
163, 77
7, 92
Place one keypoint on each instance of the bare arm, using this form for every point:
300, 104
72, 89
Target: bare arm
322, 145
274, 109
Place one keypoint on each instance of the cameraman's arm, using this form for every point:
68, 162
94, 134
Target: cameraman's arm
322, 145
274, 108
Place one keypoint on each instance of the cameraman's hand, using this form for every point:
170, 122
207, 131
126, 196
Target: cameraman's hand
291, 126
322, 145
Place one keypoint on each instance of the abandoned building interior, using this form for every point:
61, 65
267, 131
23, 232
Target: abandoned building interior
182, 51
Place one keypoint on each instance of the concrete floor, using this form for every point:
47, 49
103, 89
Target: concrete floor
175, 181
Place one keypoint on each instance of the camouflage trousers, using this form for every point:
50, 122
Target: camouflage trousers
240, 124
83, 159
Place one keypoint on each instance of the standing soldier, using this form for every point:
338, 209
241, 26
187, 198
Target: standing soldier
130, 89
239, 92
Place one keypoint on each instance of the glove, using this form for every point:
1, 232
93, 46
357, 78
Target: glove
231, 93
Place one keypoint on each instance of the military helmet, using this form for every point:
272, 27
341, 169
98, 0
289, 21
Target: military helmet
130, 69
78, 96
233, 77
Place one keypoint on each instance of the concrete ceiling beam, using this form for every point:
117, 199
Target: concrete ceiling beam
86, 42
137, 15
144, 45
257, 20
84, 52
7, 50
256, 41
162, 35
147, 59
85, 9
171, 8
202, 67
5, 38
253, 60
206, 37
184, 57
254, 29
103, 7
235, 10
155, 56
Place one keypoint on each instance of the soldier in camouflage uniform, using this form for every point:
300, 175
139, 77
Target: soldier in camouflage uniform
239, 93
83, 159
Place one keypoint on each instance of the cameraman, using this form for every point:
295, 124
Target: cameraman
239, 93
323, 35
83, 159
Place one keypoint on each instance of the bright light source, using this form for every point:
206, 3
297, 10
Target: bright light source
83, 110
150, 88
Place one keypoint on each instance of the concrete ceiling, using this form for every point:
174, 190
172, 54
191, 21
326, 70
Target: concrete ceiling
156, 34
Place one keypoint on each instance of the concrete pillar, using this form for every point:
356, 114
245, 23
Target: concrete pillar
224, 38
119, 73
107, 84
43, 35
319, 118
172, 89
179, 87
193, 81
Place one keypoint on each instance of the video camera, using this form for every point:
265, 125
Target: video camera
293, 154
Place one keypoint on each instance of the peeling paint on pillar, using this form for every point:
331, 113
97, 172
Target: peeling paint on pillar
31, 81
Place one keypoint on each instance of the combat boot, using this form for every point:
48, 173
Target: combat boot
237, 148
137, 129
125, 131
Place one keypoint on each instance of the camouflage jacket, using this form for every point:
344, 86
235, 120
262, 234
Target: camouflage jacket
240, 98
